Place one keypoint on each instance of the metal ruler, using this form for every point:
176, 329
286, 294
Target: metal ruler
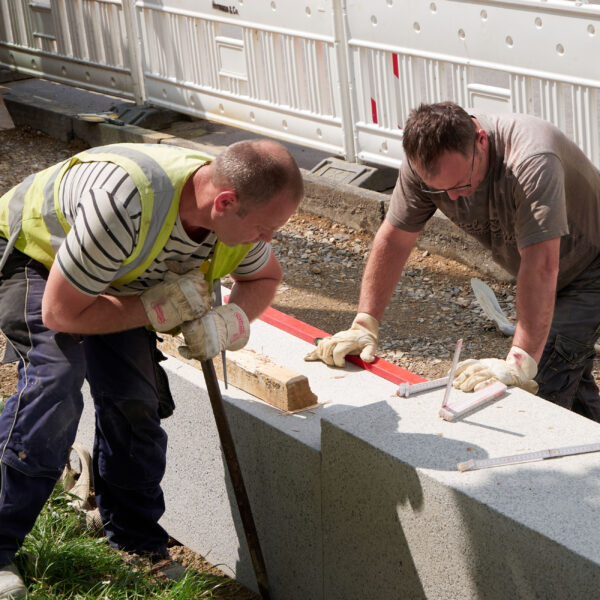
472, 401
457, 351
485, 463
408, 389
219, 302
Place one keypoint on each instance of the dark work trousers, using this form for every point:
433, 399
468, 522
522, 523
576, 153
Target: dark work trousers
565, 369
39, 423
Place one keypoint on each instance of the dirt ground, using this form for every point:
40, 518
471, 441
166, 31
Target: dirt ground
323, 262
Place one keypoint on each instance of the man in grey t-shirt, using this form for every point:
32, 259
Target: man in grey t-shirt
526, 192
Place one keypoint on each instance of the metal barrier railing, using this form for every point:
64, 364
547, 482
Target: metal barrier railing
337, 75
270, 68
78, 42
516, 55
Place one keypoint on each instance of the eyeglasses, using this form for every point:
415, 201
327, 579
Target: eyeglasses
458, 188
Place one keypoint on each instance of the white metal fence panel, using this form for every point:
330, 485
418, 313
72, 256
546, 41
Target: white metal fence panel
337, 75
523, 56
271, 67
79, 42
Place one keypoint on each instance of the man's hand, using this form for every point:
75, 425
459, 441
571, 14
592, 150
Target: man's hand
177, 299
518, 369
361, 339
223, 328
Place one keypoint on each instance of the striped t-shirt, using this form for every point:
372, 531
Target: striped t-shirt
101, 204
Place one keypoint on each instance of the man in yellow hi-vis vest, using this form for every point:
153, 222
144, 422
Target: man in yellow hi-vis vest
96, 255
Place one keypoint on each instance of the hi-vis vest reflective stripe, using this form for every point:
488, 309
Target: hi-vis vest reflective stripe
32, 220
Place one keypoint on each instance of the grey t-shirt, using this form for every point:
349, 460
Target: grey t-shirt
539, 186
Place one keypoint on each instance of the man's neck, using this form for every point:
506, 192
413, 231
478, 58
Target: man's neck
195, 206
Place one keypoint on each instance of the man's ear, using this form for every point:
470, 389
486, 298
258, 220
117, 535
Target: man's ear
482, 136
226, 201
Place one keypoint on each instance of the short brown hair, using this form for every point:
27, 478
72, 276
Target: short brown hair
258, 170
433, 129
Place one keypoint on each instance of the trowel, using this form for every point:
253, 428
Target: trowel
489, 304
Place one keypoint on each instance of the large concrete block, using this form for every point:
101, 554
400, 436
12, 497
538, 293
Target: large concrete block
360, 497
281, 474
401, 522
280, 460
45, 117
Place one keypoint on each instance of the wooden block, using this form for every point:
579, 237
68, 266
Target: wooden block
258, 375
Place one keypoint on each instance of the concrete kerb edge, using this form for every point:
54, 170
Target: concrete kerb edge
48, 118
348, 205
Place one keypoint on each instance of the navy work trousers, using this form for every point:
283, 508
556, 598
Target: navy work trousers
39, 422
565, 370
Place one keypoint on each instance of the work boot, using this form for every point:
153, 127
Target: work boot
11, 584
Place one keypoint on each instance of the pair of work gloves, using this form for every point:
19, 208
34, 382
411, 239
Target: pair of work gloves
185, 301
471, 375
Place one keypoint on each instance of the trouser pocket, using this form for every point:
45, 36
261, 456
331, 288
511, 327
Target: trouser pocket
166, 404
564, 363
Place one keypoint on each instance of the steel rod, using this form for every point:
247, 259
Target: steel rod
233, 466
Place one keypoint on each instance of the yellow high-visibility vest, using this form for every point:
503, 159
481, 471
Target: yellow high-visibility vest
32, 220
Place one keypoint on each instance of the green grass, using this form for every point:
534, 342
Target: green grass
62, 559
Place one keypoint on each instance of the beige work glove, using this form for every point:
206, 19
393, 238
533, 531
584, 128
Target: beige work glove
223, 328
361, 339
177, 299
518, 369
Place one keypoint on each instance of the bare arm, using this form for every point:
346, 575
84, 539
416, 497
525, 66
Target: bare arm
254, 293
391, 248
536, 292
65, 308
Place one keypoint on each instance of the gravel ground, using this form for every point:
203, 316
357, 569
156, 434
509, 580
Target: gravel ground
432, 307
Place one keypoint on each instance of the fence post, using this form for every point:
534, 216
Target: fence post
345, 80
134, 46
